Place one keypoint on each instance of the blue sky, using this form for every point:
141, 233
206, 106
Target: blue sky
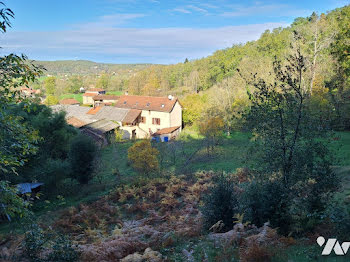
144, 31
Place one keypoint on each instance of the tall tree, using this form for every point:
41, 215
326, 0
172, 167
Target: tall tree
50, 85
17, 141
290, 148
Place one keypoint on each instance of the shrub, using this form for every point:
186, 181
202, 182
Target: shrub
41, 245
143, 157
34, 242
220, 204
55, 171
81, 156
63, 251
262, 202
255, 253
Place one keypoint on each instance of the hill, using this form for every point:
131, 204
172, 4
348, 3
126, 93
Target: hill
84, 67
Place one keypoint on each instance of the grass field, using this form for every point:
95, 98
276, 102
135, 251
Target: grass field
78, 97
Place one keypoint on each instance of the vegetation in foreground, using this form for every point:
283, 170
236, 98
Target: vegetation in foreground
161, 209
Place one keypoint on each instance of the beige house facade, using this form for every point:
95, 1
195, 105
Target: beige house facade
88, 96
157, 114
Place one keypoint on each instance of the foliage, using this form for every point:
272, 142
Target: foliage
34, 242
49, 164
75, 82
143, 157
17, 140
118, 135
212, 130
63, 251
103, 82
194, 106
290, 150
11, 204
50, 85
341, 46
51, 100
37, 241
220, 204
81, 156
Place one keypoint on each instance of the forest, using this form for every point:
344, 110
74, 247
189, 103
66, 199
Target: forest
260, 171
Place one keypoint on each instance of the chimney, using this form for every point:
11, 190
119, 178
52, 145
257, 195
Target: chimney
126, 93
170, 97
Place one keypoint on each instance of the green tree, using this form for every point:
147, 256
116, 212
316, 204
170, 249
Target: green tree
74, 84
51, 100
194, 106
290, 149
104, 81
212, 130
17, 140
220, 204
50, 85
82, 154
143, 157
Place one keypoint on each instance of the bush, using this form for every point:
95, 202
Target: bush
62, 250
81, 156
143, 157
55, 171
38, 242
263, 202
34, 242
220, 204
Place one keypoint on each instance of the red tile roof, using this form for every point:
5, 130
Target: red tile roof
94, 110
73, 121
105, 97
69, 101
161, 104
95, 90
132, 115
167, 130
89, 94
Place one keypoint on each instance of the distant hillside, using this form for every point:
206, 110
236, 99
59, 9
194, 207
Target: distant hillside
84, 67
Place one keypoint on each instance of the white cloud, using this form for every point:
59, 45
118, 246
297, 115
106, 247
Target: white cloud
110, 21
272, 10
196, 8
188, 9
126, 45
182, 10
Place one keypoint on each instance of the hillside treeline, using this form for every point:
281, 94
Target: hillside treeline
214, 83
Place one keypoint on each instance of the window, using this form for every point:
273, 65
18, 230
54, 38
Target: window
156, 121
143, 119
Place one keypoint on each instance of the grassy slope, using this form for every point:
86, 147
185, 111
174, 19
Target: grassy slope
229, 157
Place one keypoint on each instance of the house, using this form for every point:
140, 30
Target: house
158, 115
69, 101
90, 93
105, 99
159, 118
166, 134
29, 92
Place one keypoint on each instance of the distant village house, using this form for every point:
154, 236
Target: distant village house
90, 93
